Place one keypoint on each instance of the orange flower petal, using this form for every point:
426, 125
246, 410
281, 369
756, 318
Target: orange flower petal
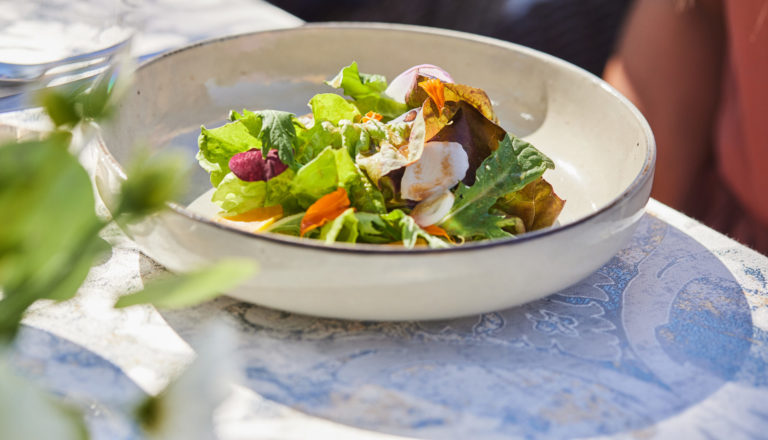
371, 115
435, 89
438, 231
325, 209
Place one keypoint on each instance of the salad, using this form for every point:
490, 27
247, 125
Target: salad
419, 161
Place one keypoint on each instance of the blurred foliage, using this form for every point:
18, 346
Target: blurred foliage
49, 239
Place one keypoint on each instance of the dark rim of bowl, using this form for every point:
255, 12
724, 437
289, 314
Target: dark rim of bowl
637, 183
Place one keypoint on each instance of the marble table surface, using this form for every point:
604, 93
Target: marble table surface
667, 340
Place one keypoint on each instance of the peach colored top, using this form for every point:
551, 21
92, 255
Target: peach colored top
742, 126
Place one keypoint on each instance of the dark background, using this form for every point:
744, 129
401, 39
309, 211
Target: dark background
580, 31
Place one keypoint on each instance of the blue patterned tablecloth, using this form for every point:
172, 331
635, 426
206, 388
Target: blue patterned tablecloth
667, 340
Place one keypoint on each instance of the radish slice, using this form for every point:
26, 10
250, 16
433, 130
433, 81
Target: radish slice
441, 166
403, 83
432, 210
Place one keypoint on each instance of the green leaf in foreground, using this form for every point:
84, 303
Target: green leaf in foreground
511, 167
49, 234
151, 183
186, 290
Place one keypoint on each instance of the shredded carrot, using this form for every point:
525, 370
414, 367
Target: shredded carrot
438, 231
371, 115
436, 90
325, 209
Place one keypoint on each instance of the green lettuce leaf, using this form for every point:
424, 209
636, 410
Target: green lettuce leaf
356, 84
354, 138
316, 179
341, 229
268, 129
331, 169
277, 132
363, 194
368, 92
289, 225
332, 108
218, 145
235, 196
511, 167
315, 139
393, 227
536, 205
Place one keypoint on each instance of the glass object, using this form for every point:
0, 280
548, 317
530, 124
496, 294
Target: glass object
56, 43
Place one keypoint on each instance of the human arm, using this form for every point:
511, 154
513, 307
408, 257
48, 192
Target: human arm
669, 63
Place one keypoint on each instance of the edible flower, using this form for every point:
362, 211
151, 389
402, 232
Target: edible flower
325, 209
251, 166
438, 232
435, 89
371, 115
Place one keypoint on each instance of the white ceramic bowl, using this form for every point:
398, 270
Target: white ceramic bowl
603, 149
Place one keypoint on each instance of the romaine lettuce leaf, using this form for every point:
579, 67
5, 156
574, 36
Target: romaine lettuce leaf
367, 91
511, 167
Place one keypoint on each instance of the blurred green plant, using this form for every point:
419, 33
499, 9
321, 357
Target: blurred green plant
49, 231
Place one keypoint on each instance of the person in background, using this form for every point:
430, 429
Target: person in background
698, 71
